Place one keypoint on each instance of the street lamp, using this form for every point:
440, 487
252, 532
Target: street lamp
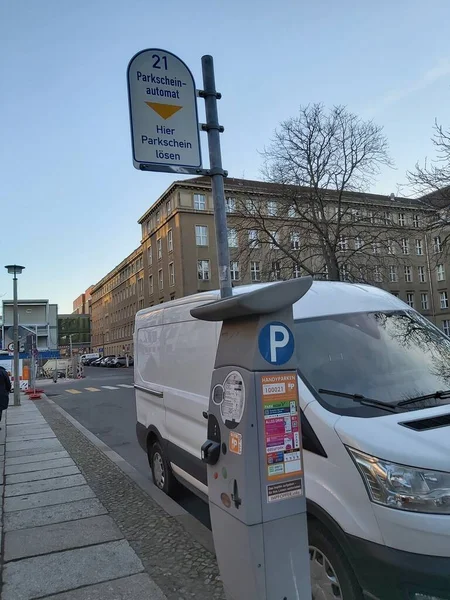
15, 270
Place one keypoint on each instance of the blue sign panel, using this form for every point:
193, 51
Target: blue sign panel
276, 343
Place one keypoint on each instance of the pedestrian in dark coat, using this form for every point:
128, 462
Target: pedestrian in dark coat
5, 389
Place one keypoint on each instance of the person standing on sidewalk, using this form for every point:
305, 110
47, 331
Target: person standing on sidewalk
5, 390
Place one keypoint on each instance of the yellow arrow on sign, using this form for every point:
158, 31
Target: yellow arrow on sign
164, 110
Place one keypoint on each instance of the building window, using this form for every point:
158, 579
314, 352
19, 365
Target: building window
419, 248
296, 272
169, 207
446, 327
377, 275
160, 279
234, 270
199, 201
358, 243
443, 297
230, 204
410, 299
232, 238
424, 301
342, 243
272, 208
391, 247
159, 248
371, 217
376, 248
171, 274
158, 217
408, 274
170, 240
344, 273
405, 246
355, 214
395, 294
387, 218
253, 240
255, 270
295, 241
140, 287
401, 219
203, 270
201, 235
292, 211
421, 274
274, 239
393, 275
416, 221
276, 269
440, 273
325, 272
437, 245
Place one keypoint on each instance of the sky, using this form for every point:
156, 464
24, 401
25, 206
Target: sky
70, 197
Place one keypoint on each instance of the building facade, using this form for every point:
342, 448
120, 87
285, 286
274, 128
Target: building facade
81, 305
37, 317
177, 254
114, 303
74, 333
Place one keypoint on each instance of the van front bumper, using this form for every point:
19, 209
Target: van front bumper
389, 574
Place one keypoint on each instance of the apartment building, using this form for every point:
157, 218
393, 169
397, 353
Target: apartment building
177, 253
114, 302
81, 305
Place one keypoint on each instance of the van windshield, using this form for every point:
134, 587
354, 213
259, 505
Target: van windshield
388, 356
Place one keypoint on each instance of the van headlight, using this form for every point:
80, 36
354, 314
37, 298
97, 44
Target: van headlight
402, 487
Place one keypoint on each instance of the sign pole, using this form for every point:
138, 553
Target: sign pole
217, 174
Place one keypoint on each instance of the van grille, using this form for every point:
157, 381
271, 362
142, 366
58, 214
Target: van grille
430, 423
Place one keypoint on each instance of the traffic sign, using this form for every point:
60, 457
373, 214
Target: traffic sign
163, 113
276, 343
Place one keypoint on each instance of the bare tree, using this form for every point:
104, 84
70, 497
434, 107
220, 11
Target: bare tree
318, 218
431, 182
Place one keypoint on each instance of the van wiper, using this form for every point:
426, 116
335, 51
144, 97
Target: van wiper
361, 399
437, 394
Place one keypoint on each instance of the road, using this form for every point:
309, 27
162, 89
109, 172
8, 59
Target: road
103, 402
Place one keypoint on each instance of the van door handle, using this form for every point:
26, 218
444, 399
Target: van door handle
205, 414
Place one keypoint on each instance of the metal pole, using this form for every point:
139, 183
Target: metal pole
217, 174
16, 344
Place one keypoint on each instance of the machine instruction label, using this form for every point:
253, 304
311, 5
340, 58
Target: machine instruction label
282, 430
284, 491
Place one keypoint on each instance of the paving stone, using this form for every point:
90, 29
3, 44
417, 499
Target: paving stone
41, 475
36, 458
42, 465
36, 445
60, 536
178, 563
34, 487
31, 436
129, 588
47, 498
26, 420
45, 515
32, 451
52, 573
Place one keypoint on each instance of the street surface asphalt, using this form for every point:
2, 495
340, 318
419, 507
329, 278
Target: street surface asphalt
103, 402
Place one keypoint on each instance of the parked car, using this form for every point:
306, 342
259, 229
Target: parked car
374, 421
86, 359
106, 360
121, 361
96, 362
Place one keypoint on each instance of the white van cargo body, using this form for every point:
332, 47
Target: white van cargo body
374, 385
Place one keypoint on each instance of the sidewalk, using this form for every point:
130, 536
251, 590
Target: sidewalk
75, 527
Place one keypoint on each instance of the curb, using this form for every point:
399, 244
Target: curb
196, 529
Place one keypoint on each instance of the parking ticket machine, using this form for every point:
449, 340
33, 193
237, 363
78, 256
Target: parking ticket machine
254, 446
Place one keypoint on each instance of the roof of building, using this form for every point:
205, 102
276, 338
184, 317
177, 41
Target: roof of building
264, 187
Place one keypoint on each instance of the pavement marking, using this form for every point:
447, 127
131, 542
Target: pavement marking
92, 389
73, 391
125, 385
109, 387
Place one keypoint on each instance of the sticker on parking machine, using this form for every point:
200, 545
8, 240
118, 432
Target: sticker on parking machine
284, 490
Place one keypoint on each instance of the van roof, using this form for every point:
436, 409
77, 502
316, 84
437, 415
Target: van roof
323, 298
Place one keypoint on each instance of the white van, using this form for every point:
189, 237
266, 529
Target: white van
374, 384
92, 356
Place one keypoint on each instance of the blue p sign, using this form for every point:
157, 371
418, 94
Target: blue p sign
276, 343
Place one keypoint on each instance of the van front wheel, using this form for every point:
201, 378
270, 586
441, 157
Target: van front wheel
162, 474
331, 574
